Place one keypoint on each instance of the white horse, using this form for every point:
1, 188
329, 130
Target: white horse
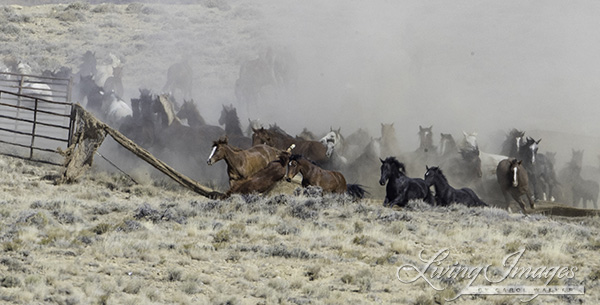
103, 72
115, 109
489, 162
333, 140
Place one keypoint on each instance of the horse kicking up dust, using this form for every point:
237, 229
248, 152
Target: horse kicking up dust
445, 194
400, 188
312, 174
513, 179
241, 164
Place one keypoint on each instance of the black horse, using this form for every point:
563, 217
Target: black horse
446, 194
400, 188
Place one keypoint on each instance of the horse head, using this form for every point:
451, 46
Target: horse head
432, 174
426, 138
293, 167
531, 147
217, 153
261, 136
515, 166
390, 168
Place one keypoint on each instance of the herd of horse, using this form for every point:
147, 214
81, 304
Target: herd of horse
256, 160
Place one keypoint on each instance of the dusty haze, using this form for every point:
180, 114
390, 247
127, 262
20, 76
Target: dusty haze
484, 66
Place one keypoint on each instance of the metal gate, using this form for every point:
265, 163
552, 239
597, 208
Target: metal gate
36, 117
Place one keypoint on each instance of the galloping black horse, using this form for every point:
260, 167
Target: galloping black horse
400, 188
446, 194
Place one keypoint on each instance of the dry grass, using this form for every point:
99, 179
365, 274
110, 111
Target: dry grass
99, 241
107, 241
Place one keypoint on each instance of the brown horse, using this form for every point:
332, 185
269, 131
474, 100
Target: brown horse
513, 179
312, 174
265, 179
310, 149
241, 164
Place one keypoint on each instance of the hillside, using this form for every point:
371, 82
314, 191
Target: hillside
106, 240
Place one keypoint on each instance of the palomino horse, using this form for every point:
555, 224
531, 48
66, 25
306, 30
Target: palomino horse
233, 128
312, 174
241, 164
312, 150
513, 180
400, 189
445, 194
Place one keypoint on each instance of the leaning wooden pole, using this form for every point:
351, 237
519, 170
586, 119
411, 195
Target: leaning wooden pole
160, 165
145, 155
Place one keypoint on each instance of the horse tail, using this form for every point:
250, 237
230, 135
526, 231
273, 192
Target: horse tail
480, 203
477, 202
356, 191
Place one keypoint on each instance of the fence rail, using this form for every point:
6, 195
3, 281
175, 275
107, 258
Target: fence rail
36, 117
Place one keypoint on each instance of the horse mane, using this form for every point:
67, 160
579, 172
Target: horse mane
399, 165
298, 157
275, 128
439, 173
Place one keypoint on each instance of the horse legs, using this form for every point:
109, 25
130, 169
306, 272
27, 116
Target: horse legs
506, 199
530, 200
517, 197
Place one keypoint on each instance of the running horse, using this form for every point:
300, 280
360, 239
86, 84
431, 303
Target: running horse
312, 150
400, 189
241, 164
312, 174
513, 179
445, 194
264, 180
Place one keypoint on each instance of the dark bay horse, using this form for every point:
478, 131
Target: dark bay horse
513, 179
312, 150
400, 188
445, 194
189, 112
241, 164
312, 174
511, 146
528, 154
93, 93
233, 128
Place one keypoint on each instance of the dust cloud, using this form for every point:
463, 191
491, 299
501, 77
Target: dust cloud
484, 66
